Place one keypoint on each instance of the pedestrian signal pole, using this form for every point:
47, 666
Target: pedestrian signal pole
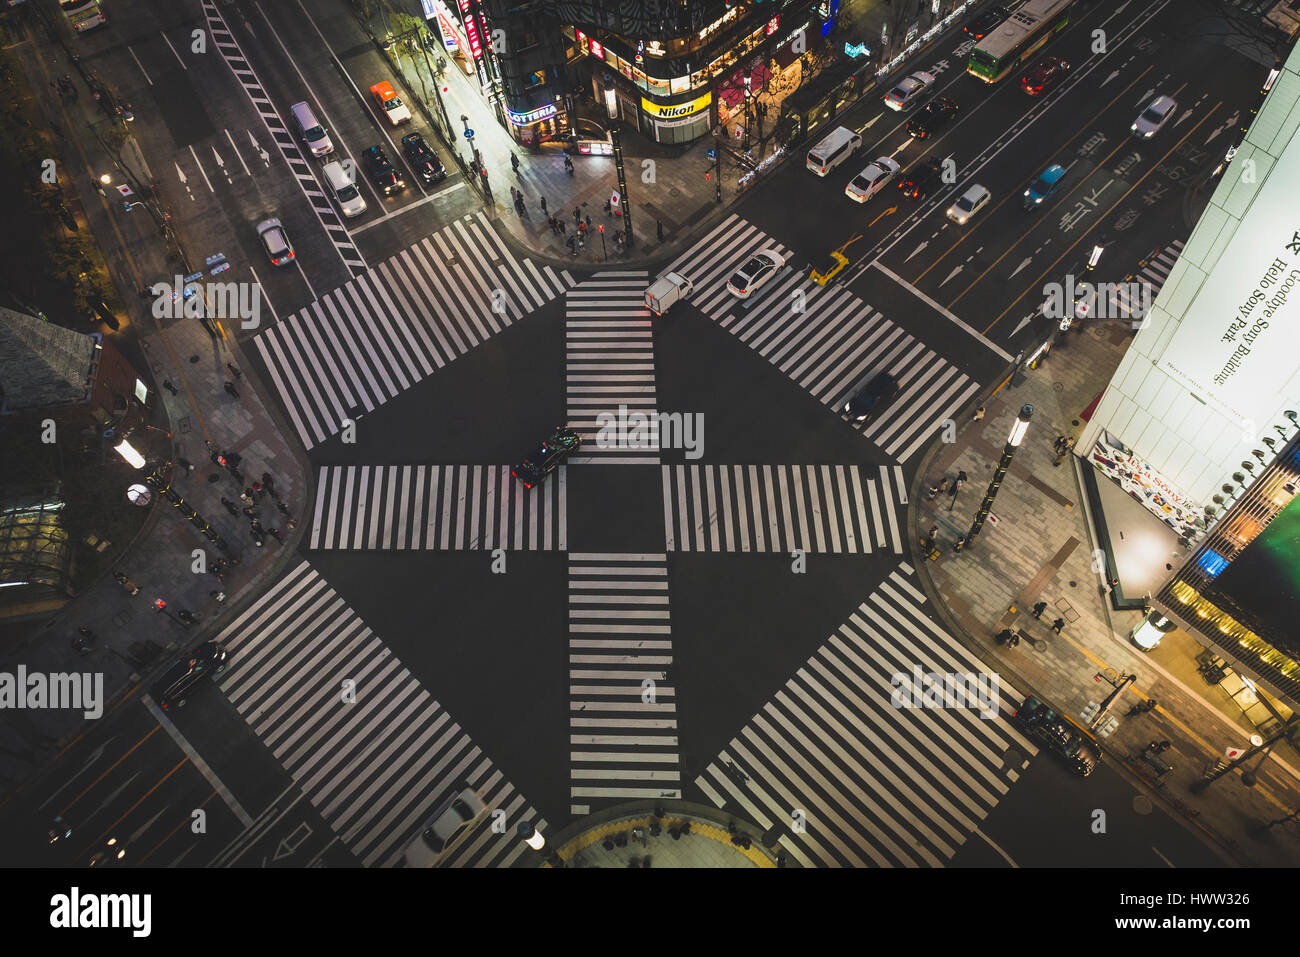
1018, 429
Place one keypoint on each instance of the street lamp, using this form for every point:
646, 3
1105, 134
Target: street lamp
530, 835
611, 108
1095, 256
748, 95
1018, 429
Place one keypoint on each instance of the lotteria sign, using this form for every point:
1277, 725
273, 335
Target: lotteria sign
677, 110
1235, 345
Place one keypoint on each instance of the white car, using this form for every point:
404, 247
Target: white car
452, 817
756, 271
1154, 117
909, 90
968, 204
872, 179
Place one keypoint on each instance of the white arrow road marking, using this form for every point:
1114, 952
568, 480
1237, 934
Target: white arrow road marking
1022, 323
266, 157
222, 164
1023, 263
950, 275
180, 174
917, 249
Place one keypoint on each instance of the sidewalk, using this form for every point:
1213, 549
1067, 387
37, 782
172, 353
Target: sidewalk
133, 638
1041, 549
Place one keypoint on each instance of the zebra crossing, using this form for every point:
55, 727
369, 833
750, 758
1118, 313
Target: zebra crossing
622, 708
851, 773
374, 337
609, 369
826, 339
839, 509
444, 507
1119, 302
368, 746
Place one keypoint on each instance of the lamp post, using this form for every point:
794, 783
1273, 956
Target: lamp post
748, 94
611, 108
1018, 429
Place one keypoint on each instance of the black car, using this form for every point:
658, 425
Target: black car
867, 402
921, 180
1062, 735
172, 689
423, 160
986, 22
931, 116
547, 457
381, 172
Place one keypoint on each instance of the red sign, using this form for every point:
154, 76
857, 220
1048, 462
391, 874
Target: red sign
471, 34
597, 50
773, 25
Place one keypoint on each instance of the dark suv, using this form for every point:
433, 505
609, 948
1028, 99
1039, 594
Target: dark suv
173, 688
546, 458
871, 399
933, 115
423, 160
380, 170
921, 180
1061, 735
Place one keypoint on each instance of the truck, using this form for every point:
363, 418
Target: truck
665, 291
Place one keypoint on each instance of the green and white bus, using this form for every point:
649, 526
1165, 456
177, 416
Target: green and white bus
1018, 38
82, 15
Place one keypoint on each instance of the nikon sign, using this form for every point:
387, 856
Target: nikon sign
677, 110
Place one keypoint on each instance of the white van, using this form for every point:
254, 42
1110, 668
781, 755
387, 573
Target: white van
351, 202
838, 146
309, 128
666, 290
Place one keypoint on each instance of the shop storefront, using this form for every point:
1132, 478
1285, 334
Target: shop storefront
680, 123
538, 126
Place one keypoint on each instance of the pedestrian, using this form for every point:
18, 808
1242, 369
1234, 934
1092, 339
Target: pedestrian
249, 511
1014, 640
979, 414
514, 163
284, 509
564, 228
219, 596
126, 583
931, 537
1039, 609
514, 196
544, 204
246, 496
577, 214
211, 447
230, 388
958, 545
257, 488
258, 540
279, 537
608, 208
167, 384
550, 221
187, 616
589, 221
230, 506
1064, 450
233, 371
291, 524
934, 489
268, 479
1058, 625
1003, 636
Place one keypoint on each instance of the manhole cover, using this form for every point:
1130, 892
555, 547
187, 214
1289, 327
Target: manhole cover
1142, 804
1058, 386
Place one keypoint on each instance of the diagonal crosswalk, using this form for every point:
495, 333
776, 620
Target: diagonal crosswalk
371, 749
622, 707
374, 337
443, 507
609, 370
839, 509
852, 776
826, 339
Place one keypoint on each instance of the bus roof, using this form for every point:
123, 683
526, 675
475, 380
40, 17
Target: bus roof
1008, 35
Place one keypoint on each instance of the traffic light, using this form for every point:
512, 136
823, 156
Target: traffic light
602, 227
708, 174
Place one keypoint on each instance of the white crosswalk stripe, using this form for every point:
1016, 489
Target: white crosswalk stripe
622, 707
443, 507
376, 762
868, 779
839, 509
609, 370
371, 339
1154, 273
826, 339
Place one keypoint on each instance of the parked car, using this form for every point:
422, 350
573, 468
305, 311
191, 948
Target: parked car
908, 91
986, 22
1154, 117
933, 115
455, 814
275, 241
869, 401
423, 160
1044, 185
390, 103
1062, 735
921, 180
968, 204
547, 457
178, 682
872, 179
755, 273
385, 178
101, 312
1045, 74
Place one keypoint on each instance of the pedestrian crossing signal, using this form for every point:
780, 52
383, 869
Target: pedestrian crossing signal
602, 227
708, 174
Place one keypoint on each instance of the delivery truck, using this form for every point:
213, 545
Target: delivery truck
665, 291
